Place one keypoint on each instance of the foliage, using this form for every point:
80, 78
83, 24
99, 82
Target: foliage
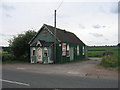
107, 53
109, 61
119, 44
19, 44
14, 62
7, 56
6, 49
110, 55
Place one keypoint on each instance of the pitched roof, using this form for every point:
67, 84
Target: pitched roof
61, 35
64, 36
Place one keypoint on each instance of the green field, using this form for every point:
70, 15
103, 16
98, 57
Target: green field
99, 51
110, 55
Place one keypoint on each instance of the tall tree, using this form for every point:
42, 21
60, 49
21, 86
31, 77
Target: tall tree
19, 44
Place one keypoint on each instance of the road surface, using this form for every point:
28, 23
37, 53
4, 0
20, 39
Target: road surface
25, 79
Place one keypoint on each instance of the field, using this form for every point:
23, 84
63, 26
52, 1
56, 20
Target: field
99, 51
110, 55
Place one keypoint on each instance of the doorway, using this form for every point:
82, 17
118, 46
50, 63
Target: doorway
39, 55
71, 53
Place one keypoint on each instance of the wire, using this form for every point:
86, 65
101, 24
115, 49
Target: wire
59, 5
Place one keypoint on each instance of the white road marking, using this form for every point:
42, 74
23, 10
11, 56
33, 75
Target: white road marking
19, 83
73, 72
20, 68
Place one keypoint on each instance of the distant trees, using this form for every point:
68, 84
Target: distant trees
19, 44
119, 44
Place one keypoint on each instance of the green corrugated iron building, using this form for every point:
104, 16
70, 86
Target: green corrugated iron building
68, 46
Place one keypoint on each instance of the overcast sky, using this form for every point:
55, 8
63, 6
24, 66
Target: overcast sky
95, 23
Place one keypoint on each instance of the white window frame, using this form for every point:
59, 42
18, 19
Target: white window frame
38, 43
78, 50
68, 51
83, 50
33, 49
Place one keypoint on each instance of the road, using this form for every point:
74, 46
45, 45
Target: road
25, 79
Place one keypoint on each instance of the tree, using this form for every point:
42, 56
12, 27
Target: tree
19, 44
118, 44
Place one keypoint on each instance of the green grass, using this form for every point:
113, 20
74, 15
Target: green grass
103, 48
99, 51
95, 53
110, 56
14, 62
9, 58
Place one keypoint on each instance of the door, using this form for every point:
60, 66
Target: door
71, 53
39, 55
45, 54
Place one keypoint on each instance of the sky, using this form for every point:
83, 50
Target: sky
94, 22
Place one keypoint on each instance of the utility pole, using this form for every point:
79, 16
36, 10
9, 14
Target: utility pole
55, 38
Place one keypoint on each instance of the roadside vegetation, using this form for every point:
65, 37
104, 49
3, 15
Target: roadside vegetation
18, 49
110, 55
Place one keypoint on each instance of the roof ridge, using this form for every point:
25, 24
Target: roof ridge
56, 27
60, 29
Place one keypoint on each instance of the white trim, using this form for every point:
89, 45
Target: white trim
39, 31
39, 54
39, 43
32, 51
35, 35
83, 50
78, 50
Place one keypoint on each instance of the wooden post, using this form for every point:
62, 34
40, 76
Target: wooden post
55, 38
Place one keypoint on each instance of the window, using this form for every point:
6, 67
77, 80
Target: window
83, 50
78, 53
33, 52
63, 49
45, 52
68, 49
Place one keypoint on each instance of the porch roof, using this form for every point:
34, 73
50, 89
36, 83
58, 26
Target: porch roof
43, 43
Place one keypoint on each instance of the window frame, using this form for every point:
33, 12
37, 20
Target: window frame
78, 50
83, 48
68, 50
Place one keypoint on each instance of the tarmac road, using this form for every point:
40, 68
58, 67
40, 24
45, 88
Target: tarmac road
22, 79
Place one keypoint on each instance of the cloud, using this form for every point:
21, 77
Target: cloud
81, 26
8, 15
98, 26
110, 8
106, 39
96, 34
7, 7
115, 9
5, 35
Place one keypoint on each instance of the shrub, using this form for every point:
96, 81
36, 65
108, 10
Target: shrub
107, 53
109, 61
7, 56
11, 57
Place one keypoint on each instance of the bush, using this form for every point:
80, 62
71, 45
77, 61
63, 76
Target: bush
10, 57
107, 53
109, 61
7, 56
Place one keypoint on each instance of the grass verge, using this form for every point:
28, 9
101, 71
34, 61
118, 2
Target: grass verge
14, 62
